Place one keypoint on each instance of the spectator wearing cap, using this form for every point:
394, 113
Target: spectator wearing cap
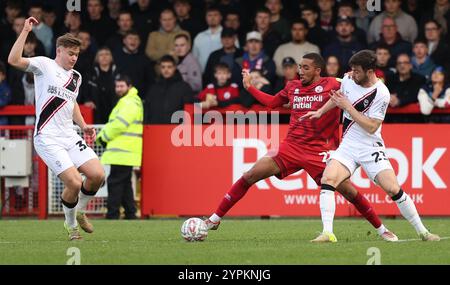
289, 73
277, 22
345, 45
436, 93
404, 84
188, 65
227, 54
271, 39
297, 47
161, 42
188, 23
438, 48
392, 38
363, 17
346, 9
316, 34
209, 40
100, 26
255, 58
407, 26
421, 61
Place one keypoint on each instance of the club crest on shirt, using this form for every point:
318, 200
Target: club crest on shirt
227, 95
296, 91
318, 89
366, 102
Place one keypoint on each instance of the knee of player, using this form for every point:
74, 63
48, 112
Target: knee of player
74, 182
328, 180
392, 189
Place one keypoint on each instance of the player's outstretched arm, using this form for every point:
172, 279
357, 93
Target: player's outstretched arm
15, 55
264, 98
319, 113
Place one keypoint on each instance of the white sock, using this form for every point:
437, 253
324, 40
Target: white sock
409, 212
70, 214
83, 200
327, 209
214, 218
381, 230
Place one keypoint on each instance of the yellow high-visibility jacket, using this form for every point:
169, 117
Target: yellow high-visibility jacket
123, 132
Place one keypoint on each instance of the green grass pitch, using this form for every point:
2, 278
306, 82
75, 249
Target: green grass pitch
237, 242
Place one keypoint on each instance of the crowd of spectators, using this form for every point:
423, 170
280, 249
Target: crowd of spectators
184, 51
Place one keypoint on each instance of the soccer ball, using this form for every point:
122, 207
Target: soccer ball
194, 229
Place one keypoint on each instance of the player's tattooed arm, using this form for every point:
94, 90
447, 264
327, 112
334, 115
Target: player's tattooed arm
15, 56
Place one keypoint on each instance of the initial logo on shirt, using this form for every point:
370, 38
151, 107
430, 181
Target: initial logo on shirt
318, 89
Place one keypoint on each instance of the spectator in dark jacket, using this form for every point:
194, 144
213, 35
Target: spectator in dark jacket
188, 23
404, 85
125, 24
383, 55
133, 63
145, 16
167, 95
5, 92
316, 34
100, 26
87, 54
227, 54
438, 48
271, 39
345, 44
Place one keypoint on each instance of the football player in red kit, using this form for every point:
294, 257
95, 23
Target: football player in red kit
306, 146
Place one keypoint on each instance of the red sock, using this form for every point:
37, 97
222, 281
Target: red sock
235, 194
363, 206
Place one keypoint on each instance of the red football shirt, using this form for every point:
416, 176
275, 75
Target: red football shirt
316, 132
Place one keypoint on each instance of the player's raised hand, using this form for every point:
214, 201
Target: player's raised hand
89, 135
311, 115
28, 25
246, 78
339, 99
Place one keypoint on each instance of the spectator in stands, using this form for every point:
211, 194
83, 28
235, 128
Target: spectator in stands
227, 54
13, 9
298, 46
114, 9
260, 82
436, 93
233, 21
167, 95
346, 9
161, 42
421, 61
407, 26
188, 23
97, 24
316, 34
209, 40
86, 55
222, 91
227, 6
392, 38
440, 12
333, 67
49, 18
43, 32
415, 9
188, 65
125, 24
384, 70
100, 82
133, 63
72, 23
255, 58
277, 22
404, 85
438, 48
345, 44
289, 73
327, 17
271, 39
363, 17
145, 17
5, 93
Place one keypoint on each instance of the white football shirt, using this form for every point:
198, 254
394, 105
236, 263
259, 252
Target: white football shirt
372, 102
56, 91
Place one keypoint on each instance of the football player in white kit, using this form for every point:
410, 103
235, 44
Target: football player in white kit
364, 99
55, 140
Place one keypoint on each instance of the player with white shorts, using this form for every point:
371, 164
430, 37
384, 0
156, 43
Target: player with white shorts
364, 99
55, 140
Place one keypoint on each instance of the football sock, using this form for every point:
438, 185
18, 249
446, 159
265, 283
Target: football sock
381, 229
70, 213
366, 210
235, 194
327, 207
84, 198
409, 211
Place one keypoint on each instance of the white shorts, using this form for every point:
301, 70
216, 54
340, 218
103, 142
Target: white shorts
372, 159
61, 153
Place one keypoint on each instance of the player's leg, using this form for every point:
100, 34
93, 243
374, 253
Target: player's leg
365, 209
69, 198
263, 168
388, 181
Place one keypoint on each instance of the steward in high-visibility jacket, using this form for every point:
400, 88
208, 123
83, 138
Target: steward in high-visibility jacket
122, 135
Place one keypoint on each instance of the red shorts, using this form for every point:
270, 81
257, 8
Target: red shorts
292, 157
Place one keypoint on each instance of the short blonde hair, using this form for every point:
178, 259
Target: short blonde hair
68, 40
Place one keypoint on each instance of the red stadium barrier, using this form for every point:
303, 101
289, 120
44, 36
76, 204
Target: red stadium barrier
28, 110
191, 180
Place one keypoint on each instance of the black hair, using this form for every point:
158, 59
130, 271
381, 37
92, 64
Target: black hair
365, 58
124, 78
300, 21
221, 65
318, 60
167, 58
2, 68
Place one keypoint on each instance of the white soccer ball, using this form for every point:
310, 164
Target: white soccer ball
194, 229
